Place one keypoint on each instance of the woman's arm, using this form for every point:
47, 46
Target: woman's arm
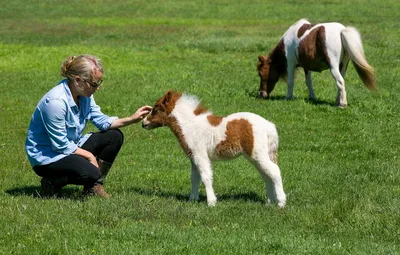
87, 155
135, 118
53, 115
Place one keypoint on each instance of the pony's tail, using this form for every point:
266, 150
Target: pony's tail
273, 142
351, 41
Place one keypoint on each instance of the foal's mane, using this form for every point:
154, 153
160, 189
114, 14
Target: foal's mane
194, 104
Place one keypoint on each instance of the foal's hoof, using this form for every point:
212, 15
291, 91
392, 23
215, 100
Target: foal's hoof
194, 198
271, 202
212, 203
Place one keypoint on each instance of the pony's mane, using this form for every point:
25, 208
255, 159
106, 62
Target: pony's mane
302, 21
192, 103
277, 55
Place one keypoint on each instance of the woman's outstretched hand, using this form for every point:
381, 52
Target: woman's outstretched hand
141, 113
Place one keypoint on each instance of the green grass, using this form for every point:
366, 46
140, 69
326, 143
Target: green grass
340, 167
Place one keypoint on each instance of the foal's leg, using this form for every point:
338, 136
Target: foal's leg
290, 80
269, 185
271, 175
341, 99
311, 94
195, 178
203, 165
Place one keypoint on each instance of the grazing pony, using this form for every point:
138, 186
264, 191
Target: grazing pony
205, 137
315, 47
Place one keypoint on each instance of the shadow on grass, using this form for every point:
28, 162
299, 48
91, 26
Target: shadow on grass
283, 98
34, 191
255, 95
319, 102
248, 196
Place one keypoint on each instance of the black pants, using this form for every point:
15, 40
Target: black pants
78, 170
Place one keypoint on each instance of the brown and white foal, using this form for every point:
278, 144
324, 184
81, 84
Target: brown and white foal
315, 47
205, 137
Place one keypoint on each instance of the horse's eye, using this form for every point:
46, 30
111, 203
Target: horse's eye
154, 111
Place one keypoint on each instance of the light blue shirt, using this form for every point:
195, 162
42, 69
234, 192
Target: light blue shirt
57, 125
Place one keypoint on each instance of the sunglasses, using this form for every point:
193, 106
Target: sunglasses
94, 84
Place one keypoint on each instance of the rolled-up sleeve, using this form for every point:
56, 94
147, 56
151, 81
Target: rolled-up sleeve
99, 119
53, 113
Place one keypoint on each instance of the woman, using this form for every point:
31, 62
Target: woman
55, 146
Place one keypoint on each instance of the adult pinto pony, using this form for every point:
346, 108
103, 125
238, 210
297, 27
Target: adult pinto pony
315, 47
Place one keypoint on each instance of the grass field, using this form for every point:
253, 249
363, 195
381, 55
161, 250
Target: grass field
340, 167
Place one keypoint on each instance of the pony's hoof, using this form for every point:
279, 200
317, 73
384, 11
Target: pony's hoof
193, 198
263, 94
212, 203
270, 201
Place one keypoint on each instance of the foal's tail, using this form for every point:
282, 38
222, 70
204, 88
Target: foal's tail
351, 41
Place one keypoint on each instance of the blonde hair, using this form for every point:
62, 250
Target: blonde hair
83, 66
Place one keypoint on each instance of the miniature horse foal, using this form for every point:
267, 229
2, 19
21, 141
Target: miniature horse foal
205, 137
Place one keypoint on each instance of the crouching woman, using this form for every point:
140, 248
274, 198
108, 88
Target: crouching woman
55, 145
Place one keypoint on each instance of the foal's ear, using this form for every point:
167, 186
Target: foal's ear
168, 96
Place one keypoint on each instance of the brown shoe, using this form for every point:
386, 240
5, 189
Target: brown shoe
97, 190
49, 189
